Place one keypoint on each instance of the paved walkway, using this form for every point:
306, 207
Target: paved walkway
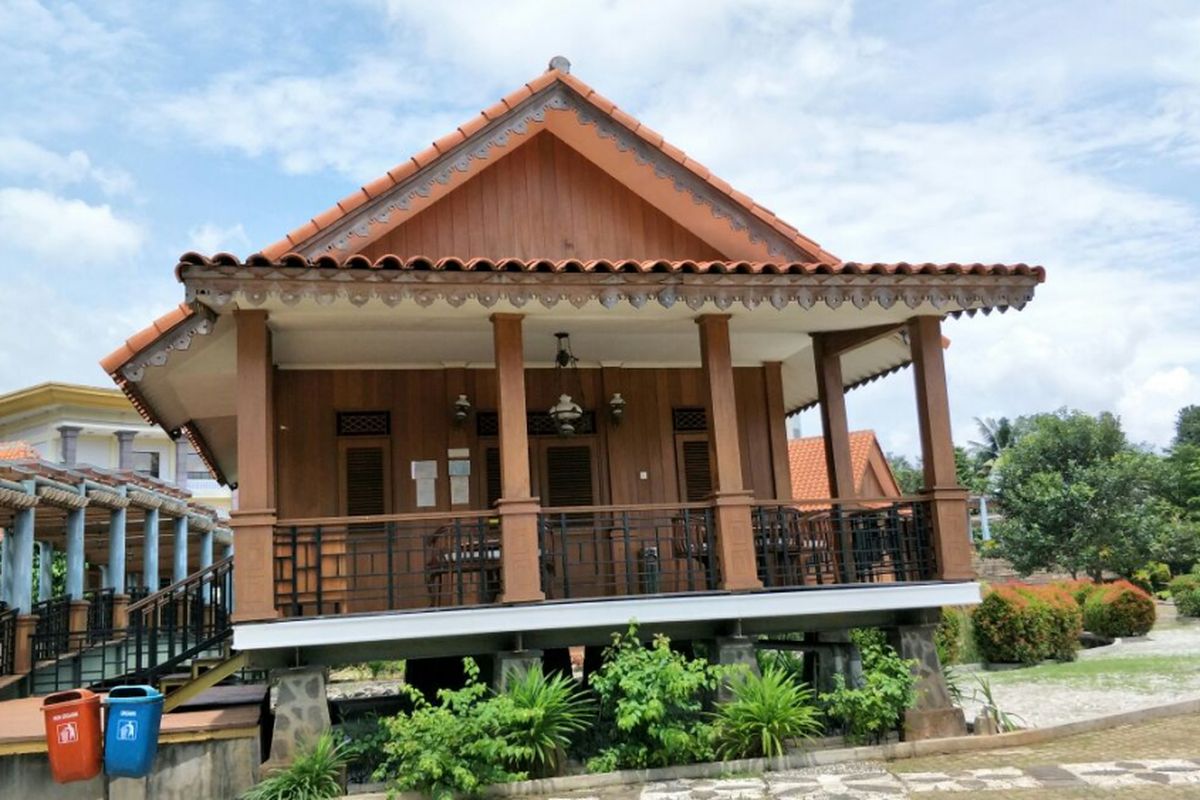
1153, 760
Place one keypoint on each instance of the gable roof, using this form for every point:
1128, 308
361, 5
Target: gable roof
413, 185
17, 451
810, 477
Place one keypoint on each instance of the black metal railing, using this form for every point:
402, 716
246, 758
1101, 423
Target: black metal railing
52, 634
8, 639
338, 566
839, 542
176, 623
100, 614
620, 551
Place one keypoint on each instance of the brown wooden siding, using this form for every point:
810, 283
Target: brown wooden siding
543, 200
420, 402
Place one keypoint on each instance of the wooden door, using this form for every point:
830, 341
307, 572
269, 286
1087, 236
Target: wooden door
365, 476
692, 467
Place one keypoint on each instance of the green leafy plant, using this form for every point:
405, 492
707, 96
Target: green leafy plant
868, 711
1185, 591
1003, 720
362, 743
653, 699
1022, 624
314, 775
765, 712
1119, 609
948, 636
547, 710
456, 747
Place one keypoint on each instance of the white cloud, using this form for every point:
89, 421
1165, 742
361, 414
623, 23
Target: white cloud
21, 158
64, 231
210, 238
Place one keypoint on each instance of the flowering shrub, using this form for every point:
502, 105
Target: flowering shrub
1022, 624
1118, 609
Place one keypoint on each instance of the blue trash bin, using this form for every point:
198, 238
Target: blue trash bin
131, 720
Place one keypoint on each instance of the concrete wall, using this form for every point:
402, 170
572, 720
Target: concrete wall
215, 770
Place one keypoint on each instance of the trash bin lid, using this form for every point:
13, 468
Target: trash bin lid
72, 696
133, 694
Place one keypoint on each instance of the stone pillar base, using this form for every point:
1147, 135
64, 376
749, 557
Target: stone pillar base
78, 620
301, 713
734, 651
835, 655
23, 648
936, 723
120, 619
511, 664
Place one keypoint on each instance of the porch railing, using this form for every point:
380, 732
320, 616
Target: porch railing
52, 634
827, 542
631, 550
351, 564
100, 614
8, 639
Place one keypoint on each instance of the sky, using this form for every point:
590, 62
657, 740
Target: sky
1065, 134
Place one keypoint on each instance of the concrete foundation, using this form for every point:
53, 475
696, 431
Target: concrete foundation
934, 716
733, 651
513, 663
301, 713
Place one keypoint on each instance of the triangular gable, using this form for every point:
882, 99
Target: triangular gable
869, 467
543, 200
557, 102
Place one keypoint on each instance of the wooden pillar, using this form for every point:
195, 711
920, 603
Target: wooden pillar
731, 502
781, 466
254, 520
951, 540
519, 557
836, 429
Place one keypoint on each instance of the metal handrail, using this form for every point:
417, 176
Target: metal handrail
8, 639
176, 588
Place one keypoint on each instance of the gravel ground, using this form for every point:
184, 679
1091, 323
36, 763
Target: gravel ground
1056, 694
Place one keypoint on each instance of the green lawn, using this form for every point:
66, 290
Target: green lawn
1119, 672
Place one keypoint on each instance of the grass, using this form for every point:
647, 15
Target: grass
1138, 673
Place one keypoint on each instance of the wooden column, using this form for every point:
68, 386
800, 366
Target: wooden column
519, 559
731, 502
951, 541
836, 429
254, 520
781, 466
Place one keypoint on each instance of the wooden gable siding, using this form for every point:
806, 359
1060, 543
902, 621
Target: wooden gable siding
543, 200
422, 428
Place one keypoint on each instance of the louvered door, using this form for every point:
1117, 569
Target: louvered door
694, 469
569, 479
364, 467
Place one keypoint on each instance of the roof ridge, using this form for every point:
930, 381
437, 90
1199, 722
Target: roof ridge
558, 71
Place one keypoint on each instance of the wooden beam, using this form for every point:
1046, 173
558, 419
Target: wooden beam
832, 400
781, 465
841, 342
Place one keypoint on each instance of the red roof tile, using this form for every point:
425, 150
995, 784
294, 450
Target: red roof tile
114, 360
17, 451
806, 457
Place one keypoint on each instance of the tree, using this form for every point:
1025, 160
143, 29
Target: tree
1077, 496
1187, 426
996, 436
908, 474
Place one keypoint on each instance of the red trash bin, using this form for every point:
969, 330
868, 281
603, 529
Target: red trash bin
73, 735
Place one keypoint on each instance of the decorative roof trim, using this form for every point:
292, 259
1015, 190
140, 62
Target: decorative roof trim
156, 353
17, 501
106, 499
144, 499
856, 384
61, 498
947, 290
483, 145
200, 445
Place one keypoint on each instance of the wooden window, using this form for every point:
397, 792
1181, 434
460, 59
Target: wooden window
364, 423
569, 480
365, 475
689, 420
491, 475
695, 472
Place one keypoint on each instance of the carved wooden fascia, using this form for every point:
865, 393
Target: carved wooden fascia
144, 499
340, 238
218, 286
106, 499
159, 351
17, 500
61, 498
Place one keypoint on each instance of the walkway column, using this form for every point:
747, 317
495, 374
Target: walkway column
68, 443
835, 427
150, 531
125, 449
116, 565
254, 520
21, 569
731, 502
7, 568
520, 575
179, 542
951, 540
45, 588
75, 561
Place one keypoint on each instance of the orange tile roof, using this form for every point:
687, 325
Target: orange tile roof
452, 264
143, 338
806, 458
440, 147
17, 451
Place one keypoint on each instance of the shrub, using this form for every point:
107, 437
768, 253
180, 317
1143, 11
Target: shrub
764, 712
948, 636
1023, 624
1119, 609
1185, 591
547, 710
1080, 590
875, 707
653, 699
314, 775
1152, 578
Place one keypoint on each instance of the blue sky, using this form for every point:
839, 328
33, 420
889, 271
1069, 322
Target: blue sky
1065, 134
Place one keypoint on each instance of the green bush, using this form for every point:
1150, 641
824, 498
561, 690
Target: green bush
1020, 624
1119, 609
652, 700
548, 710
1152, 578
316, 774
948, 636
867, 712
764, 713
1185, 591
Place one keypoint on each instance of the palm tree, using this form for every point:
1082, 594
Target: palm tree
997, 436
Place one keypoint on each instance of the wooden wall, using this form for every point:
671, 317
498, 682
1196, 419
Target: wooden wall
423, 429
543, 200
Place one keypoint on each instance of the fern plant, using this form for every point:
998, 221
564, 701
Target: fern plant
314, 775
546, 711
764, 714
